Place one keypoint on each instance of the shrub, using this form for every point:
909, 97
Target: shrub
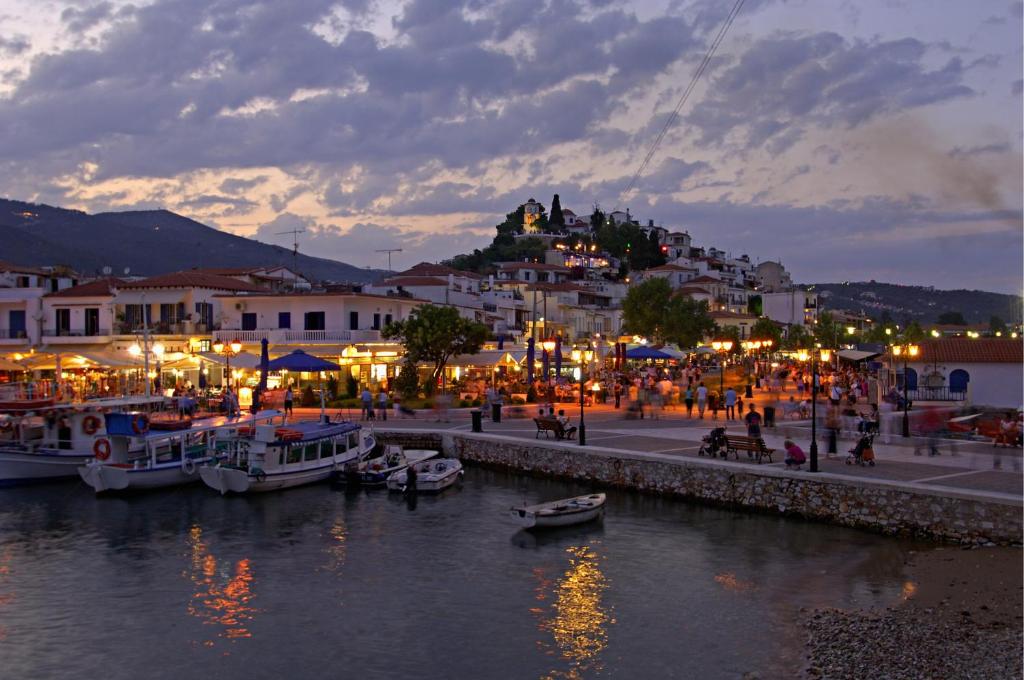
463, 403
531, 395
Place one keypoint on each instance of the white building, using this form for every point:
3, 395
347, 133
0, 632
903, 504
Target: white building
981, 371
772, 277
794, 307
21, 293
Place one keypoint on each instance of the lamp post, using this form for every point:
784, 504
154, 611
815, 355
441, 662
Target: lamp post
824, 355
587, 354
136, 350
721, 346
906, 352
548, 346
228, 351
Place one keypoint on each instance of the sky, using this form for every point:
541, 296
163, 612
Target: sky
851, 140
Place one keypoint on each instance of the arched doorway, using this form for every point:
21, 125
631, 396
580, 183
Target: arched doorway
958, 380
910, 378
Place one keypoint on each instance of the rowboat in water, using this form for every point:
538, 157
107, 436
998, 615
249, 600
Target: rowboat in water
560, 513
375, 471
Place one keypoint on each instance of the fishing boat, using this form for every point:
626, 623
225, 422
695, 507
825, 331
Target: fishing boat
431, 475
131, 456
270, 458
560, 513
40, 444
375, 471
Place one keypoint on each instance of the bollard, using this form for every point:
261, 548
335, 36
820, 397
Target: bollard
769, 416
478, 420
496, 412
749, 393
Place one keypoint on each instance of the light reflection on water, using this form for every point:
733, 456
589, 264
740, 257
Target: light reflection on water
221, 597
578, 621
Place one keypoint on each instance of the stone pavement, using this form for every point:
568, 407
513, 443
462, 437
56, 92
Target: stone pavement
961, 465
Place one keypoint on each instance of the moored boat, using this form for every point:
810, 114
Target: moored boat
431, 475
375, 471
272, 458
560, 513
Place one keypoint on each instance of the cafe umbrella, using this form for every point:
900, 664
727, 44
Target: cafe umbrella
299, 361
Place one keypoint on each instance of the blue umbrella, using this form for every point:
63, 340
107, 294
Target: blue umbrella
531, 355
501, 342
646, 353
558, 356
300, 361
264, 364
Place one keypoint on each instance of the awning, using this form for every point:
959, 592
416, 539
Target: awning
490, 357
7, 365
856, 355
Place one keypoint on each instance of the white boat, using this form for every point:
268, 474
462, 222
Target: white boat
431, 475
560, 513
375, 471
40, 443
161, 458
275, 458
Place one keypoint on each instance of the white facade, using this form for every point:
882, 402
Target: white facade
795, 307
999, 385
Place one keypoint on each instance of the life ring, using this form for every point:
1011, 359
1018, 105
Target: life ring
6, 425
188, 465
140, 423
261, 476
101, 449
90, 425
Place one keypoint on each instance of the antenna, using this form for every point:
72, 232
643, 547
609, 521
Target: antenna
295, 245
389, 251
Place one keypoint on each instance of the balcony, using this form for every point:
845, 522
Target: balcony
59, 336
13, 337
283, 336
937, 394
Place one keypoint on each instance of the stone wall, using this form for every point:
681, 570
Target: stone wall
878, 505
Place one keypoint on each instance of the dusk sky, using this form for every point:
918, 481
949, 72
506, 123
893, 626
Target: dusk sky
852, 140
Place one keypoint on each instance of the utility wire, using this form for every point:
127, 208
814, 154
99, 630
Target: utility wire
686, 95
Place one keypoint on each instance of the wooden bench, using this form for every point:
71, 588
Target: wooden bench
754, 446
547, 425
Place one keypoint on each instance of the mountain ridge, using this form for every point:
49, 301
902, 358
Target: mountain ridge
919, 303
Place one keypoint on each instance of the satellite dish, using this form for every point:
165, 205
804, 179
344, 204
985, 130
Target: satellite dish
107, 271
127, 271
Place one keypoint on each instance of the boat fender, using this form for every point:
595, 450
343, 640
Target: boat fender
101, 449
261, 476
617, 464
188, 465
6, 425
140, 423
90, 425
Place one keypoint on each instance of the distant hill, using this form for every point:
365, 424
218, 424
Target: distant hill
147, 241
917, 302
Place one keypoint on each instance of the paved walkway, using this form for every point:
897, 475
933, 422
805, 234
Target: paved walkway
961, 465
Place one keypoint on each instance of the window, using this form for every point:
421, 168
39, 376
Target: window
204, 313
353, 440
387, 319
248, 321
63, 320
92, 321
353, 321
23, 282
16, 323
172, 312
376, 322
133, 316
315, 321
294, 454
326, 448
284, 319
312, 451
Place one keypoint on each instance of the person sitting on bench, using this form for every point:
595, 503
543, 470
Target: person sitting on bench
564, 420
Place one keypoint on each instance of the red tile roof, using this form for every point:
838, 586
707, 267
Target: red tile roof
19, 269
97, 288
693, 289
972, 351
671, 268
706, 279
428, 269
193, 279
228, 271
540, 266
560, 288
413, 281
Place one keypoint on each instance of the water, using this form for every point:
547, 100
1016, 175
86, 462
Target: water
313, 582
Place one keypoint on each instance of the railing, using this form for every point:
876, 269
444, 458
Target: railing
937, 394
74, 332
13, 334
283, 336
317, 336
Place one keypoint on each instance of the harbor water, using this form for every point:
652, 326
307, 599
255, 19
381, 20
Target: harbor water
316, 582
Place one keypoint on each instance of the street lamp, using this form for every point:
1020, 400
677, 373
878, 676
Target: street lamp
722, 346
824, 355
548, 346
908, 352
230, 350
587, 355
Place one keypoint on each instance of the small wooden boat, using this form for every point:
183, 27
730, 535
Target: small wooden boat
375, 471
431, 475
560, 513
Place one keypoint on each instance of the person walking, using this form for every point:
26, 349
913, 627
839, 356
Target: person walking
730, 404
688, 400
618, 392
753, 420
702, 399
382, 404
289, 402
367, 400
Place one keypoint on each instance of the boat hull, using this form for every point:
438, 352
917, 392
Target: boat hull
379, 478
427, 482
24, 467
109, 478
529, 520
227, 479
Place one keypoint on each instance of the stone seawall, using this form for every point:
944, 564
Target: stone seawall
878, 505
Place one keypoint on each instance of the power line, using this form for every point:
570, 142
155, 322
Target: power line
686, 95
389, 251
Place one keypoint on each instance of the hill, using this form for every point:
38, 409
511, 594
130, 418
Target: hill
925, 304
147, 241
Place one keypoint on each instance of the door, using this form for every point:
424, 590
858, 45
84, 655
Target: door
353, 321
63, 321
16, 323
92, 321
958, 380
248, 321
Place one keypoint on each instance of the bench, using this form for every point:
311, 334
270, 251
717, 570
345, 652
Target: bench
547, 425
754, 446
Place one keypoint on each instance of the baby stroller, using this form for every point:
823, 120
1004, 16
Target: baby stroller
714, 444
862, 453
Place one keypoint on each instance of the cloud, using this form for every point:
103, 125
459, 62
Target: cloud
14, 45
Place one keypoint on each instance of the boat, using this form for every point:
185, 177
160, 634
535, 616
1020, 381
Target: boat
375, 471
560, 513
431, 475
50, 443
130, 456
271, 458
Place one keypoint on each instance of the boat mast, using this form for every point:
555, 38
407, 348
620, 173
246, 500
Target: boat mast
145, 344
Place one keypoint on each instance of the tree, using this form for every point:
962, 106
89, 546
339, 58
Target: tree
556, 220
434, 334
408, 382
827, 331
645, 308
952, 318
797, 337
914, 333
597, 218
996, 325
730, 333
766, 329
687, 321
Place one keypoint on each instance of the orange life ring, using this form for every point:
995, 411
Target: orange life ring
140, 423
101, 449
90, 425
